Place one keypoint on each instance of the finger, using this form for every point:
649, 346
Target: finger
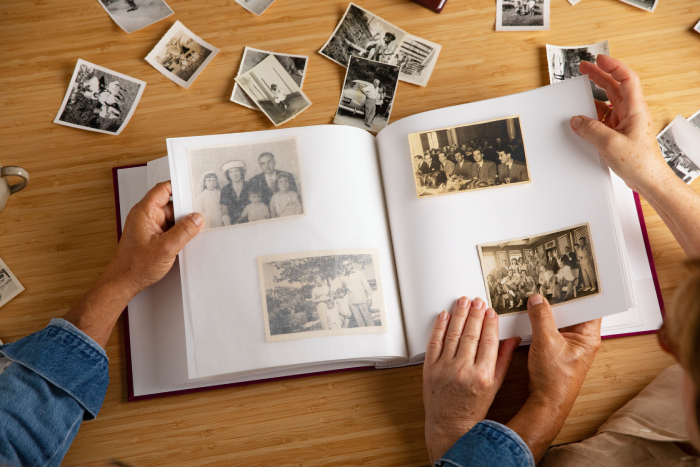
603, 80
541, 318
588, 329
159, 195
454, 330
505, 358
472, 333
488, 343
185, 230
437, 339
169, 212
596, 133
630, 85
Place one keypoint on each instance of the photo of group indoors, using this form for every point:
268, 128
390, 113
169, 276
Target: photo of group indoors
680, 146
368, 95
132, 15
469, 157
255, 6
522, 15
325, 293
648, 5
416, 59
558, 265
362, 34
247, 183
564, 63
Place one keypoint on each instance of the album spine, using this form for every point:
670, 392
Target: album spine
434, 5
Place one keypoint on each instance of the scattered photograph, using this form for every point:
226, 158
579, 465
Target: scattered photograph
181, 55
368, 94
132, 15
416, 59
322, 293
574, 2
648, 5
274, 91
680, 145
255, 6
469, 157
9, 285
695, 119
522, 15
564, 62
697, 27
294, 64
559, 265
362, 34
99, 99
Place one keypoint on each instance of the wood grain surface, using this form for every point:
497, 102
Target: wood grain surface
59, 233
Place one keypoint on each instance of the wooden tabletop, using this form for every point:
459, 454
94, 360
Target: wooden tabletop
58, 234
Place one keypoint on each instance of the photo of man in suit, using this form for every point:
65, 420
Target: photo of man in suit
481, 169
445, 165
511, 171
266, 182
462, 168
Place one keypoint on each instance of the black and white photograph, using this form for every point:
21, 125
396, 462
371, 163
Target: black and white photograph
469, 157
559, 265
695, 119
246, 183
564, 63
368, 95
680, 146
181, 55
9, 285
294, 64
132, 15
322, 293
697, 27
255, 6
647, 5
363, 34
522, 15
416, 59
99, 99
274, 91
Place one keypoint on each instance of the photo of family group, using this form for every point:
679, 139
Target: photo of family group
241, 184
564, 63
559, 265
323, 293
469, 157
132, 15
522, 15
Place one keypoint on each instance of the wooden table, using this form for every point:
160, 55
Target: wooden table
58, 235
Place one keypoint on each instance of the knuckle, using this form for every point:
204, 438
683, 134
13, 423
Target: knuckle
490, 341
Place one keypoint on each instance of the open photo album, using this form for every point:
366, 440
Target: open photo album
326, 248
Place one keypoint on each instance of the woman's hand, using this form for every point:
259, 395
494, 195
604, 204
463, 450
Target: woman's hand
464, 368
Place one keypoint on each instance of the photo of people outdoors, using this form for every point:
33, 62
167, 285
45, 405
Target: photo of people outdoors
522, 15
559, 265
416, 59
325, 293
680, 146
564, 63
469, 157
247, 183
132, 15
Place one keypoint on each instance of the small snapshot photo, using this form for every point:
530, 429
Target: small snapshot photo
695, 119
522, 15
294, 64
181, 55
368, 95
9, 285
564, 63
322, 293
416, 59
680, 145
132, 15
559, 265
246, 183
469, 157
255, 6
362, 34
99, 99
647, 5
274, 91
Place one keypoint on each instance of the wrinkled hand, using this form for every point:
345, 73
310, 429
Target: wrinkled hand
464, 368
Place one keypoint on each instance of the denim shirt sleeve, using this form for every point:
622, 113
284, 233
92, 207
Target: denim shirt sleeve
58, 378
488, 444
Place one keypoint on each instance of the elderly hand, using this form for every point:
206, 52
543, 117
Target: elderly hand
464, 368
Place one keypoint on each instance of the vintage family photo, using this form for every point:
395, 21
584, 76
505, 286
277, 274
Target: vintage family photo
559, 265
323, 293
274, 91
648, 5
680, 146
9, 285
99, 99
368, 94
255, 6
362, 34
469, 157
181, 55
245, 183
132, 15
416, 59
522, 15
294, 64
564, 63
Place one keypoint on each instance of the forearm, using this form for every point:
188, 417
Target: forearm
538, 423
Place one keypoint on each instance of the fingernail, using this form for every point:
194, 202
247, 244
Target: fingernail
576, 122
462, 303
442, 316
490, 313
536, 299
197, 218
478, 303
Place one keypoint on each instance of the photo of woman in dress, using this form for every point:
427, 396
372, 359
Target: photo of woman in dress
234, 195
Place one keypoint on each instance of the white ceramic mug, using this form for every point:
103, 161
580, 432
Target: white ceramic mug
5, 188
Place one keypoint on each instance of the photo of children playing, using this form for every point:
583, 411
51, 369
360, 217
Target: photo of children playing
246, 183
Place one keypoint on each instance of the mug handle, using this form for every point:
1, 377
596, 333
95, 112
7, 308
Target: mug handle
12, 171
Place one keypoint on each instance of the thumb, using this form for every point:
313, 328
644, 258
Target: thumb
181, 233
593, 131
541, 318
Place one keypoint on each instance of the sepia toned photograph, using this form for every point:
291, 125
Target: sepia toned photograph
322, 293
680, 146
522, 15
416, 59
294, 64
559, 265
99, 99
469, 157
368, 94
246, 183
255, 6
363, 34
564, 63
132, 15
647, 5
274, 91
181, 55
9, 285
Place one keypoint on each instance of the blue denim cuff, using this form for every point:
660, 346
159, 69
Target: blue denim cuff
488, 444
67, 358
